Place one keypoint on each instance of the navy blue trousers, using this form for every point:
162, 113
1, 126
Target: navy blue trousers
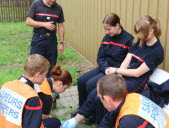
45, 45
93, 103
52, 122
87, 82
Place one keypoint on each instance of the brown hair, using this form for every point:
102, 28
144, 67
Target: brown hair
145, 23
34, 64
111, 19
62, 75
113, 86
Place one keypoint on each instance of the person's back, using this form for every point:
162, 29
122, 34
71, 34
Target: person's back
20, 106
14, 96
128, 110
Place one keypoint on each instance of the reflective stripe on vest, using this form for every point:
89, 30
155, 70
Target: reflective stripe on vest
136, 104
13, 96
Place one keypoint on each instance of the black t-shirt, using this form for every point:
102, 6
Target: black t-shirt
42, 13
151, 55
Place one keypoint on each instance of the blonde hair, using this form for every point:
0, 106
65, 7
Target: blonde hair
34, 64
145, 23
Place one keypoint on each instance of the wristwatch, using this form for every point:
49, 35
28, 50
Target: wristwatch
61, 42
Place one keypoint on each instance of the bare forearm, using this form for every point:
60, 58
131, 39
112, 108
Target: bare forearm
36, 24
126, 61
128, 72
61, 33
33, 23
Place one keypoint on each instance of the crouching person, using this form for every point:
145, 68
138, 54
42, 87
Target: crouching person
20, 106
59, 81
128, 110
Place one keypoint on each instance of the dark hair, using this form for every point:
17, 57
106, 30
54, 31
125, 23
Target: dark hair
113, 86
145, 23
62, 75
111, 19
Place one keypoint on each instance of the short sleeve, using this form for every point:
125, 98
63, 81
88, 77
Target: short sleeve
155, 59
61, 19
32, 11
133, 47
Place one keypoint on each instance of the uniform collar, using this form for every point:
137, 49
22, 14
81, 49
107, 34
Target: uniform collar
26, 81
122, 30
117, 110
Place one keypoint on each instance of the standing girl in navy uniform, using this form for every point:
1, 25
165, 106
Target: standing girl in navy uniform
57, 83
112, 51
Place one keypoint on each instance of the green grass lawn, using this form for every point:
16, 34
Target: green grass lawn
15, 41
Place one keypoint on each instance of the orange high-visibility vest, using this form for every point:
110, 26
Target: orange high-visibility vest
136, 104
13, 96
45, 88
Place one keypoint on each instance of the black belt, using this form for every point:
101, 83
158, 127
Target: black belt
46, 34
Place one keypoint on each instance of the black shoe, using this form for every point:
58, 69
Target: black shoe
73, 114
90, 120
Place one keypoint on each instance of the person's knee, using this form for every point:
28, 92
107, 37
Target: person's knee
81, 80
90, 86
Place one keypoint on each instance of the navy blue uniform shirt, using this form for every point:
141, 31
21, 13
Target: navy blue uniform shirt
151, 55
42, 13
113, 50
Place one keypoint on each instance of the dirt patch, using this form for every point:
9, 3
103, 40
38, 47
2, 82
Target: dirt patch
4, 68
84, 66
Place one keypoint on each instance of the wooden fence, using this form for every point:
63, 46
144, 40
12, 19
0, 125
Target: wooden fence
14, 10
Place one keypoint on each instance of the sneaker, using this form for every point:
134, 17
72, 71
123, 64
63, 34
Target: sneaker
73, 114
